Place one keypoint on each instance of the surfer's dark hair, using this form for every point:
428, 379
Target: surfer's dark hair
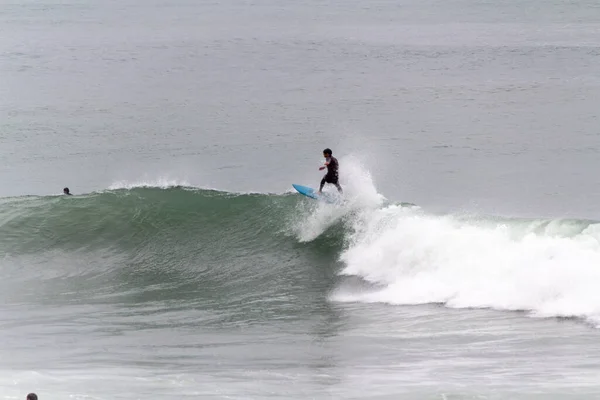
327, 151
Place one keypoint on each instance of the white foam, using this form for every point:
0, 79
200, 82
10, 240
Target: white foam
162, 183
167, 183
418, 258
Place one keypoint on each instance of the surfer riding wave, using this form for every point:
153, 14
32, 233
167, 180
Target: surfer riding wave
332, 176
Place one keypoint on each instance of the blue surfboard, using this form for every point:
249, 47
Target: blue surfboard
305, 190
312, 193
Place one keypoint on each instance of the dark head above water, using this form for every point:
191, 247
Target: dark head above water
66, 191
327, 152
32, 396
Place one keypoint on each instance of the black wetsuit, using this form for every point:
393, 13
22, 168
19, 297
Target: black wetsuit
332, 175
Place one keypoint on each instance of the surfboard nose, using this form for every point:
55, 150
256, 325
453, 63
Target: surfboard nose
305, 190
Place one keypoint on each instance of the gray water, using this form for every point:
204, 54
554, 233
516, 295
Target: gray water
460, 107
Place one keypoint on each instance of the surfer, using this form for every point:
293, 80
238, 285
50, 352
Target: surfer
332, 176
66, 191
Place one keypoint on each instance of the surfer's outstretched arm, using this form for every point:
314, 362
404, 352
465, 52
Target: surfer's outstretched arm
325, 165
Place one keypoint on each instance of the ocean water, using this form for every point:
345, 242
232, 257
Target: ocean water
462, 264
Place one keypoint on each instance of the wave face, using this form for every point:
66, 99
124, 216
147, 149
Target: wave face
163, 220
183, 243
233, 255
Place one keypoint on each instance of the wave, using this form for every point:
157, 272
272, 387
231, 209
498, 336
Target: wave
131, 217
550, 268
402, 254
147, 244
129, 214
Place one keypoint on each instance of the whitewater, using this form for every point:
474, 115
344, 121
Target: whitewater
546, 267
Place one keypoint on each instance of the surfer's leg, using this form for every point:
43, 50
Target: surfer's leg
322, 184
335, 181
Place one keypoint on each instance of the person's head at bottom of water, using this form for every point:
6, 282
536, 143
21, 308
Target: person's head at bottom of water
32, 396
66, 191
327, 153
